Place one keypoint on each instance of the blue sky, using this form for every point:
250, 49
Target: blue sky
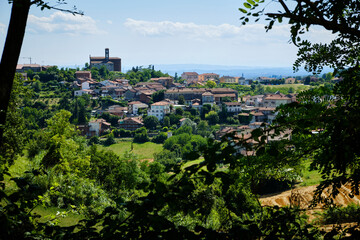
144, 32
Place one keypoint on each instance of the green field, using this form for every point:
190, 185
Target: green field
142, 150
310, 177
296, 87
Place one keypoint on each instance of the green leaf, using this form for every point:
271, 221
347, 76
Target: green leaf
251, 2
247, 5
242, 10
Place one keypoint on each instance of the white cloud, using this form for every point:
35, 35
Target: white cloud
196, 31
254, 33
109, 21
2, 28
61, 22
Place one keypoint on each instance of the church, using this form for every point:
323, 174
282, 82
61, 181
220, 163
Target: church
111, 63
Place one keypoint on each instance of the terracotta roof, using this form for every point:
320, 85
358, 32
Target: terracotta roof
20, 66
135, 102
258, 123
209, 74
233, 104
190, 73
256, 113
207, 94
267, 109
277, 98
186, 90
132, 119
161, 103
222, 90
225, 95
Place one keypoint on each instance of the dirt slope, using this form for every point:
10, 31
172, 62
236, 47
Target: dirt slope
302, 197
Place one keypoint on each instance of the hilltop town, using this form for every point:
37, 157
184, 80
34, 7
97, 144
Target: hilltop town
226, 104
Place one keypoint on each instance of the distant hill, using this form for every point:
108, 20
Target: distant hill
236, 71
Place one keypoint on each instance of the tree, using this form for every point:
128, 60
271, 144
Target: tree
181, 100
210, 84
141, 135
14, 39
205, 109
179, 111
335, 147
212, 117
158, 96
109, 140
151, 122
166, 121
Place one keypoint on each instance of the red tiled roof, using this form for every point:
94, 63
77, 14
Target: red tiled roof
233, 104
161, 103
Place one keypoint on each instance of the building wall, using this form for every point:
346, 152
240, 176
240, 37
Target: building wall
189, 77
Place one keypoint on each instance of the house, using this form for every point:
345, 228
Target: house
243, 81
94, 128
208, 76
129, 94
189, 94
111, 63
84, 91
230, 80
220, 93
117, 110
233, 107
269, 112
146, 96
135, 106
258, 117
83, 74
254, 125
207, 98
131, 123
290, 80
25, 67
196, 104
190, 76
275, 100
253, 100
149, 85
223, 131
164, 81
159, 109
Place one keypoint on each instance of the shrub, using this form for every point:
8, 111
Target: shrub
160, 138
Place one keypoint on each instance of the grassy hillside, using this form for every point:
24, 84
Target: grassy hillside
142, 150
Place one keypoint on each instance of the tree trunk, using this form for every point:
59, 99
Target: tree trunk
10, 56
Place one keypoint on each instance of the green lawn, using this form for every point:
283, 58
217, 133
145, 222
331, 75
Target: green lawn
48, 213
297, 87
310, 177
142, 150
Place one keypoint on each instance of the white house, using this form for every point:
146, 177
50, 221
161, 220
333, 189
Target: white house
85, 85
83, 91
135, 106
233, 107
159, 109
275, 100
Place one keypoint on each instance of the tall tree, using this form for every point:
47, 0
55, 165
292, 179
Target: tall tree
14, 39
